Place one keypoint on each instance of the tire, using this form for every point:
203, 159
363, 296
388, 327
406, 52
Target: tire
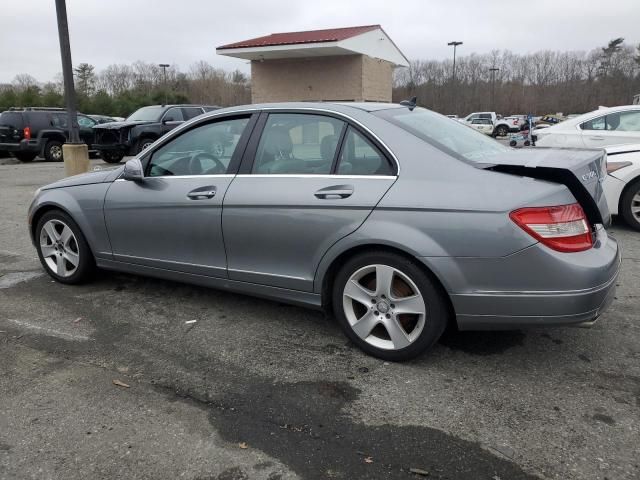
527, 143
144, 143
385, 333
58, 254
53, 151
513, 143
501, 131
630, 205
111, 156
25, 156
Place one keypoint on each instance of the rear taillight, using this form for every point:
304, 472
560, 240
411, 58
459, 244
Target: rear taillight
27, 133
563, 228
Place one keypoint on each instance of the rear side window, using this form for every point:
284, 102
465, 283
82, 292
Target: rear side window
191, 112
295, 143
360, 157
59, 120
12, 119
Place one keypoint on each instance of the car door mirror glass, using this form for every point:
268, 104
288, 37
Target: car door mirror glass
133, 170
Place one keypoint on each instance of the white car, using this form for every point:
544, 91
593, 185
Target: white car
622, 184
606, 126
483, 125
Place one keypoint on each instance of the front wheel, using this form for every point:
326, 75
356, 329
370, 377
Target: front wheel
62, 248
388, 306
630, 205
144, 144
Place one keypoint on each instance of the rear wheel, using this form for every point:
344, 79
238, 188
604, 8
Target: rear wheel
53, 151
388, 306
62, 248
501, 131
25, 156
630, 205
111, 156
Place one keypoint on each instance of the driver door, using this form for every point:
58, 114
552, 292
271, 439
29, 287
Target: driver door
172, 219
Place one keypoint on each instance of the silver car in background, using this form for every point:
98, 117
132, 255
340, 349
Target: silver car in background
394, 218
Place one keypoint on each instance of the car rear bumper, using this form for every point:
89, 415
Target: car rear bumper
534, 287
22, 146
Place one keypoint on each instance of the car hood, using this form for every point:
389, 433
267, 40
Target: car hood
96, 176
119, 125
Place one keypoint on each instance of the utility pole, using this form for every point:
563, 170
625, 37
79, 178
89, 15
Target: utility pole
493, 71
67, 71
74, 152
453, 81
164, 67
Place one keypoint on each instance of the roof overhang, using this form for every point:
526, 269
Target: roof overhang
375, 44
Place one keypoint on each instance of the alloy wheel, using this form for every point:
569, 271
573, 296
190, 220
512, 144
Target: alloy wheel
59, 248
384, 307
635, 206
56, 152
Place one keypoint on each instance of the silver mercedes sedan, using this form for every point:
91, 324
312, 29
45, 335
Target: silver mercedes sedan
393, 218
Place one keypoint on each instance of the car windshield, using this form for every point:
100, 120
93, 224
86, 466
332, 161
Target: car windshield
454, 138
146, 114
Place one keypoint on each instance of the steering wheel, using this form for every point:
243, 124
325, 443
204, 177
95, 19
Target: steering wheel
195, 166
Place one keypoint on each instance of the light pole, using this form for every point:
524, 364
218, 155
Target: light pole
453, 81
74, 152
493, 71
164, 67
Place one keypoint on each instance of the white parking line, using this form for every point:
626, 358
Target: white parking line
51, 332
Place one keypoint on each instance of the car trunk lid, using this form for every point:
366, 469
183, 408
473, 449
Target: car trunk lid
581, 171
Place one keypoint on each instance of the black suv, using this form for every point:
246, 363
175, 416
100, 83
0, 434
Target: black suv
142, 128
33, 131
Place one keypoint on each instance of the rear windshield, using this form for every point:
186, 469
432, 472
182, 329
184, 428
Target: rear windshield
146, 114
444, 133
11, 119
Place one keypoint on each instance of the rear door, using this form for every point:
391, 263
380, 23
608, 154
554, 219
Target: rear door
307, 180
612, 129
11, 127
172, 219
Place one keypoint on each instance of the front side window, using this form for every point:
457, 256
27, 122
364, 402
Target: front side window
294, 143
204, 150
360, 157
173, 115
453, 138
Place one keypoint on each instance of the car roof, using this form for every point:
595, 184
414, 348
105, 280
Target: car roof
337, 107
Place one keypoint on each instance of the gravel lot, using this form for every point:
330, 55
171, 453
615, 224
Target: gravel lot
260, 390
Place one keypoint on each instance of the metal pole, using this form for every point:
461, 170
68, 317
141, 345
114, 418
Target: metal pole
493, 71
453, 80
164, 67
67, 71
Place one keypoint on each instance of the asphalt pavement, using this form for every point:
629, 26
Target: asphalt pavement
114, 379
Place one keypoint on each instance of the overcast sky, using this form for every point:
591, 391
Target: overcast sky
181, 32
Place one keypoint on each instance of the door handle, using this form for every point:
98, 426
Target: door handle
202, 193
335, 192
596, 138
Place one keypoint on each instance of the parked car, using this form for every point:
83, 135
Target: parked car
33, 131
103, 119
394, 218
142, 128
606, 126
482, 125
501, 126
622, 184
453, 117
550, 120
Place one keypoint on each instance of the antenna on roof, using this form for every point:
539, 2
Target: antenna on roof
411, 103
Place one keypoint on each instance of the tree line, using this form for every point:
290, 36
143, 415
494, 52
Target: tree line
538, 83
119, 90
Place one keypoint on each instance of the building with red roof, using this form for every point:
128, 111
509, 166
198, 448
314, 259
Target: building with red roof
337, 64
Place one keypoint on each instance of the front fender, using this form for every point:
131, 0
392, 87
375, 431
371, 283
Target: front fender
83, 203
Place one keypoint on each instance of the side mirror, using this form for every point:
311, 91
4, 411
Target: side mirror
133, 170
